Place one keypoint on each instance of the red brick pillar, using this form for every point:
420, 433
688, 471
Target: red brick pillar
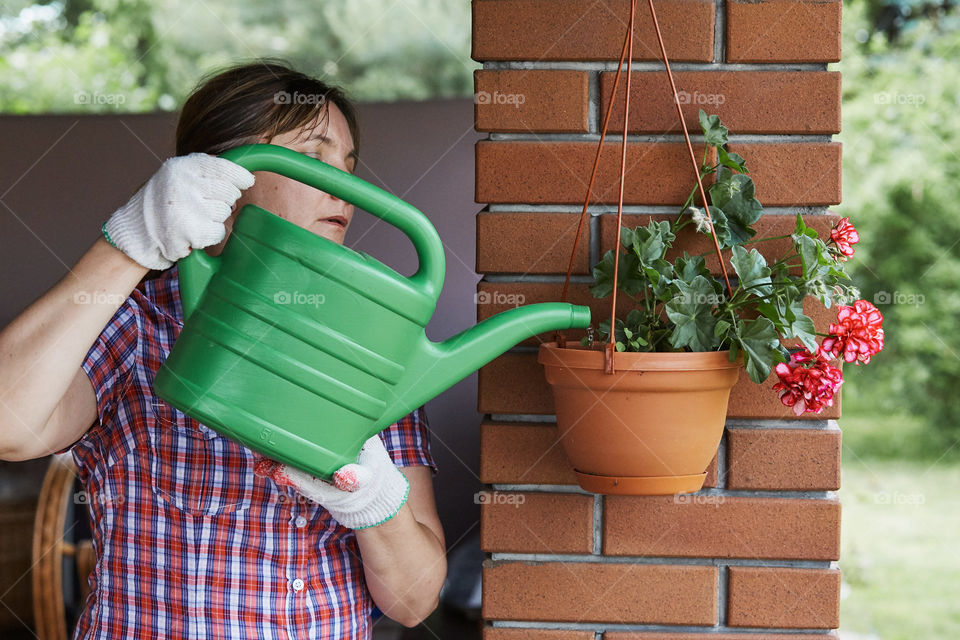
756, 549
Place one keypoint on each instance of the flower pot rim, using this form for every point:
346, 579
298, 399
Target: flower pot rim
578, 357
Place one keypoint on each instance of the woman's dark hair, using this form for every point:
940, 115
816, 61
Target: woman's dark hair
241, 104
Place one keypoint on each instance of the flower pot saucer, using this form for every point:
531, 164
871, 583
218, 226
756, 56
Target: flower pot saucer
640, 485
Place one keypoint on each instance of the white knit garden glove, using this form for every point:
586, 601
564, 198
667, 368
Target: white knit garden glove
182, 206
364, 494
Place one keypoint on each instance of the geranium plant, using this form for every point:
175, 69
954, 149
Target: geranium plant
681, 306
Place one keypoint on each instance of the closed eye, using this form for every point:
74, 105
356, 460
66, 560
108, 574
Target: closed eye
319, 156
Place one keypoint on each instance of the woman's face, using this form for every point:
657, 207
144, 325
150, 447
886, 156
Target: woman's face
304, 206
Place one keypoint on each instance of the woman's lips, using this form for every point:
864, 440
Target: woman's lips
339, 221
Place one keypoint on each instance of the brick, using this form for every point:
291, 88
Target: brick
783, 30
513, 453
721, 527
531, 454
529, 522
514, 383
531, 242
800, 173
690, 240
783, 459
502, 633
543, 30
642, 635
805, 102
529, 171
516, 453
783, 597
531, 100
600, 592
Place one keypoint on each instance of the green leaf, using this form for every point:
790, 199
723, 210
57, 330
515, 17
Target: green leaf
629, 278
714, 133
692, 315
773, 310
752, 270
827, 298
786, 284
732, 160
839, 273
734, 350
802, 328
760, 343
721, 227
627, 334
650, 243
734, 194
660, 274
687, 267
813, 253
721, 328
604, 329
803, 229
790, 320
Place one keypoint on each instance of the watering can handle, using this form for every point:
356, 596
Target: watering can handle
318, 174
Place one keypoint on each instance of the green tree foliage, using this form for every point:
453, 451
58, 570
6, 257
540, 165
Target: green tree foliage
901, 188
139, 55
895, 17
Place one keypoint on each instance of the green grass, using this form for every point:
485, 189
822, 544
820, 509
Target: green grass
892, 437
899, 558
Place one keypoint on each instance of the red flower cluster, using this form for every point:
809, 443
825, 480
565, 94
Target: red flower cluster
808, 382
844, 235
857, 333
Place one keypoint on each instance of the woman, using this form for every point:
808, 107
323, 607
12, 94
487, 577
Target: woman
196, 535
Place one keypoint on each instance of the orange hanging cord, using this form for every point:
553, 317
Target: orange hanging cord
609, 348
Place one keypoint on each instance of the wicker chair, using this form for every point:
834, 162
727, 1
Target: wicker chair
63, 554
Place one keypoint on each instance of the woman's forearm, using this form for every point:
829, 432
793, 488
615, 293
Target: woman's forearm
404, 564
42, 348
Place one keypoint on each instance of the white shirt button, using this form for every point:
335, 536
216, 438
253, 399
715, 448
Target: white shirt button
204, 428
300, 522
298, 585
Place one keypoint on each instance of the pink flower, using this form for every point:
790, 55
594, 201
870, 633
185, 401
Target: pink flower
808, 382
857, 333
844, 235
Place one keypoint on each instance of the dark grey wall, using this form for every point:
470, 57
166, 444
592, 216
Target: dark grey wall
62, 175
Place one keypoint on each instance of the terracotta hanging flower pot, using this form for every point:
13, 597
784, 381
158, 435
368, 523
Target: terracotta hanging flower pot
644, 416
651, 428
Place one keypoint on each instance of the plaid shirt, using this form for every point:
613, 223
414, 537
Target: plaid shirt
190, 542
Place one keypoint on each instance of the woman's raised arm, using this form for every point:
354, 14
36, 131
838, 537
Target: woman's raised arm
46, 400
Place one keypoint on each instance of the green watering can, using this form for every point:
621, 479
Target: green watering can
301, 348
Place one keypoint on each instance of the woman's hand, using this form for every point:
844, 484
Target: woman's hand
182, 206
363, 494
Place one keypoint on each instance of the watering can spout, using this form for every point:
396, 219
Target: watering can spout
440, 365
